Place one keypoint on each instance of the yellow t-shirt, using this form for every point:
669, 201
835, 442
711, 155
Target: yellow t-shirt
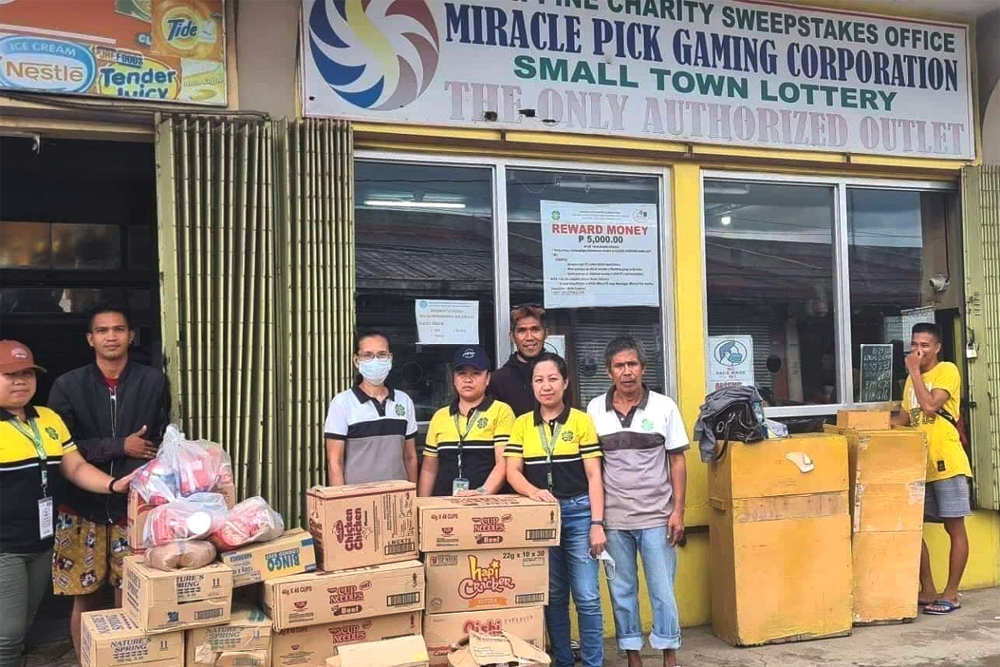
945, 458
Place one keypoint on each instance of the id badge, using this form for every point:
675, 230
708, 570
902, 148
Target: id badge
458, 485
45, 518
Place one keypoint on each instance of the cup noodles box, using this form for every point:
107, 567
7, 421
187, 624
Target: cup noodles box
110, 638
398, 652
443, 631
486, 579
292, 553
486, 522
327, 597
161, 601
310, 646
363, 524
244, 641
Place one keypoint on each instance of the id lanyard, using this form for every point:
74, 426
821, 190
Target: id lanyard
36, 439
549, 445
462, 436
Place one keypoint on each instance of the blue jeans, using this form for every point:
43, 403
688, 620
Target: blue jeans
572, 569
659, 561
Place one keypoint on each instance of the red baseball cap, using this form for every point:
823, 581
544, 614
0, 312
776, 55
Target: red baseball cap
16, 357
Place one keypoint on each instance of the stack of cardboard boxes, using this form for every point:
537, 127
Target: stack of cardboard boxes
371, 586
487, 568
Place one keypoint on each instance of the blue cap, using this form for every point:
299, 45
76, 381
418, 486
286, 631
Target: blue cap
471, 355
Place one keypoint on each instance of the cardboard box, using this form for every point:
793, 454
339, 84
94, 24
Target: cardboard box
865, 420
486, 522
161, 601
782, 529
110, 638
326, 597
486, 579
887, 472
398, 652
485, 650
292, 553
311, 646
360, 525
443, 631
244, 641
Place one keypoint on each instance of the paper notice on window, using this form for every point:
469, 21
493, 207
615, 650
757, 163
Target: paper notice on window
599, 255
730, 362
446, 322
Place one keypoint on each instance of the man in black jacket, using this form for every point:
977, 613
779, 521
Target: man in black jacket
512, 382
117, 411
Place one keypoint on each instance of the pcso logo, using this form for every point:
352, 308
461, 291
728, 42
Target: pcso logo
374, 55
49, 65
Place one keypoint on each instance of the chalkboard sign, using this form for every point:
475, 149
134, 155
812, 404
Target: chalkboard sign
876, 373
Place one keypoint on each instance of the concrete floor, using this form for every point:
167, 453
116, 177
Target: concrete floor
967, 638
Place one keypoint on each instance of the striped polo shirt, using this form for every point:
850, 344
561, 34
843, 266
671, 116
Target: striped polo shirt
20, 477
490, 429
637, 489
577, 440
373, 432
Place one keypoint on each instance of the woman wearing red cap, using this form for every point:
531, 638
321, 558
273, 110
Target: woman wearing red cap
36, 454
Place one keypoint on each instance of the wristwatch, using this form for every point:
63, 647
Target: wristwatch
598, 523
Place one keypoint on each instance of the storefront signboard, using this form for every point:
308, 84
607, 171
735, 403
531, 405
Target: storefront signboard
447, 322
728, 72
730, 363
152, 50
599, 255
876, 373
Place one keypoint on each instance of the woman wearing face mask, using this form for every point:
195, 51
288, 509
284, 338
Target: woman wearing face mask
463, 454
36, 454
371, 428
554, 455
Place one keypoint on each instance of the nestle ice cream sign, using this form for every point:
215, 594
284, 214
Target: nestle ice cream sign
49, 65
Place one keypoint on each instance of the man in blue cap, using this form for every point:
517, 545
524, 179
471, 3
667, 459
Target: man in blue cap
465, 440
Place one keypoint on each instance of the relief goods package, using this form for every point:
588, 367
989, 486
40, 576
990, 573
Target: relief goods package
243, 642
486, 579
363, 524
326, 597
192, 518
310, 646
183, 467
486, 522
161, 601
251, 521
110, 638
292, 553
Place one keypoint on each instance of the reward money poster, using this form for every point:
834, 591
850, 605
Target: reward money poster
729, 72
153, 50
599, 255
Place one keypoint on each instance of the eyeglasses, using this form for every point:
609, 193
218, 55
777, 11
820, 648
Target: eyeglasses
381, 356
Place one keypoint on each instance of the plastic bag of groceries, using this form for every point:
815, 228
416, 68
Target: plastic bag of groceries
181, 555
183, 467
192, 518
250, 521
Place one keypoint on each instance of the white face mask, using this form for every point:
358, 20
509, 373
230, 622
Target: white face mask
375, 371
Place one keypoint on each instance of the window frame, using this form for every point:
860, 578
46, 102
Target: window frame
501, 276
841, 276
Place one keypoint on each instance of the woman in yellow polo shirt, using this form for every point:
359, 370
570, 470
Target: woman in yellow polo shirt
36, 454
554, 455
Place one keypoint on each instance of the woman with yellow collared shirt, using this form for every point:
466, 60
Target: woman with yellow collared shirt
36, 454
554, 455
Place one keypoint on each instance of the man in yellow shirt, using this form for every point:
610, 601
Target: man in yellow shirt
931, 403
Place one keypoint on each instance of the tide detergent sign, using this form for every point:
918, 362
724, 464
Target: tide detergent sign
48, 65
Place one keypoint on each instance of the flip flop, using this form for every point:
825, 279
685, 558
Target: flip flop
945, 607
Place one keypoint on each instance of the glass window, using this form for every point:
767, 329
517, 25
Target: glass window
424, 237
770, 277
41, 245
587, 248
895, 239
